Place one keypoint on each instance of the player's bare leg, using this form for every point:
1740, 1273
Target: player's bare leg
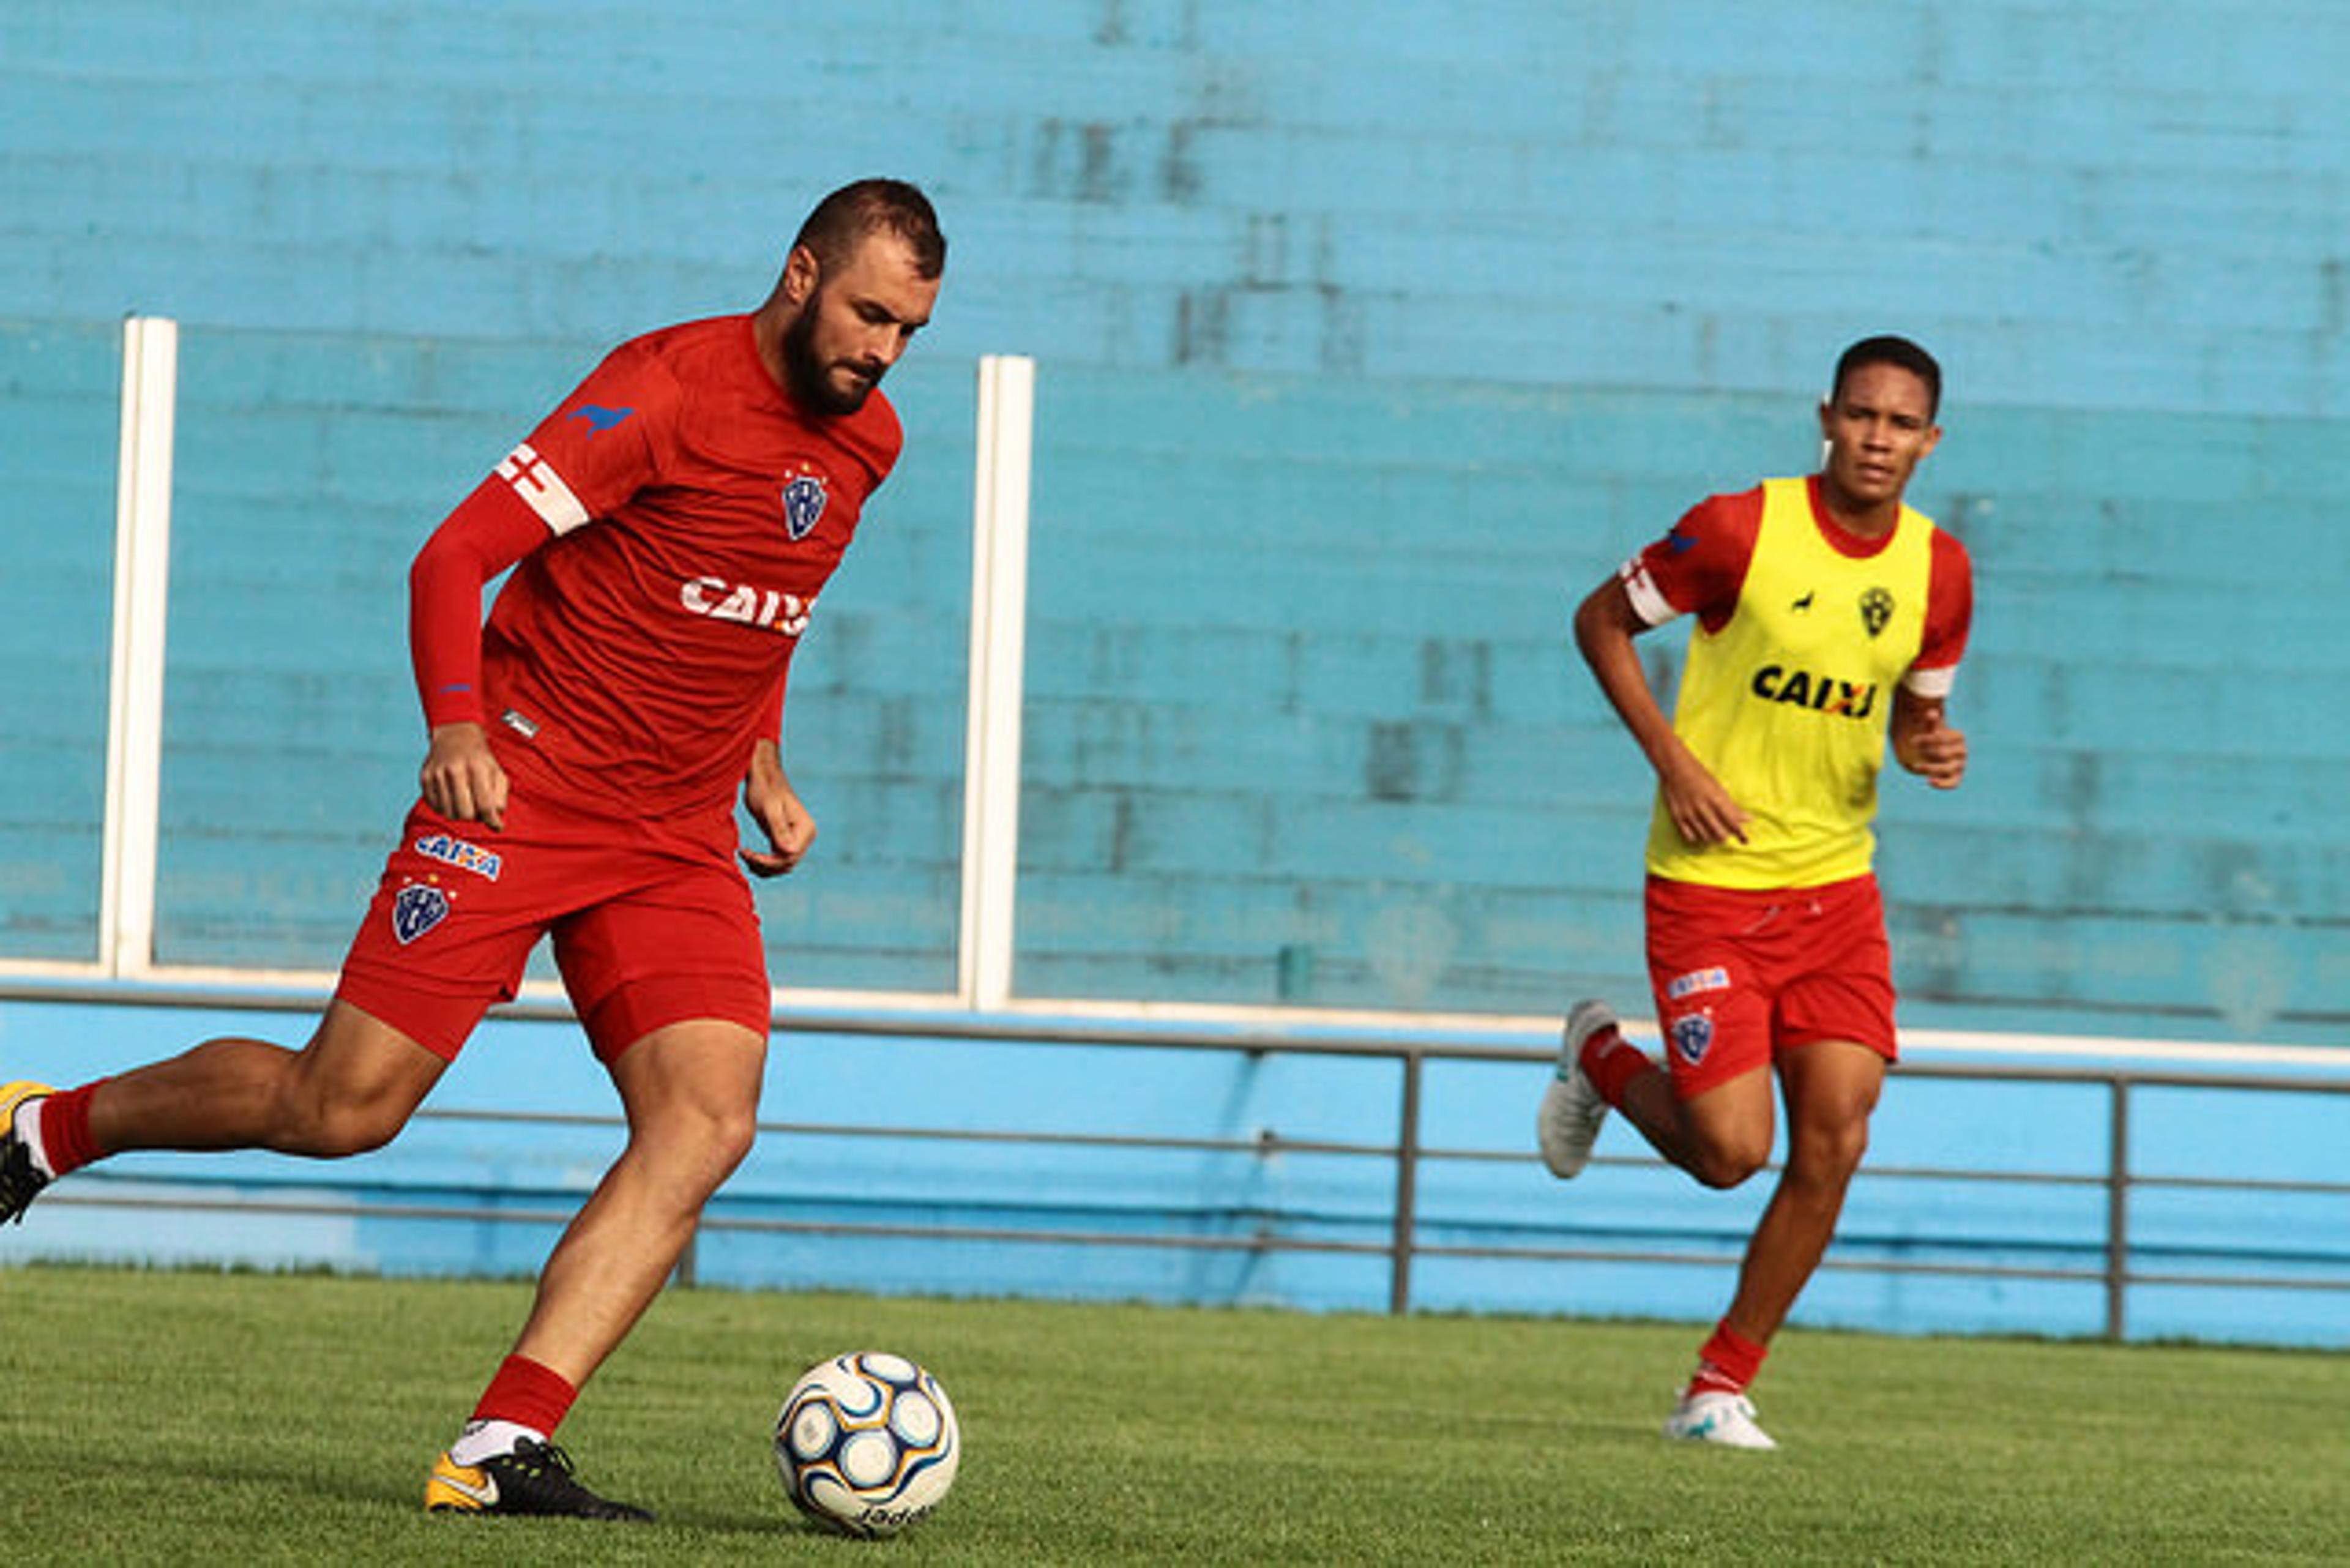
691, 1095
1720, 1136
350, 1089
1832, 1087
1723, 1136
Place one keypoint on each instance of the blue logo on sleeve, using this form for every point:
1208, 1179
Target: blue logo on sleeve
600, 418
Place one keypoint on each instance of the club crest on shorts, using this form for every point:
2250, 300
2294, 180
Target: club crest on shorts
416, 910
804, 500
1692, 1035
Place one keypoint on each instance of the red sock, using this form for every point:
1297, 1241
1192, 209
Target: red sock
65, 1129
1727, 1363
526, 1394
1611, 1062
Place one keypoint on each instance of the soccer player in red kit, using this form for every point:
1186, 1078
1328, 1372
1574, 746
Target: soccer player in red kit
670, 527
1831, 619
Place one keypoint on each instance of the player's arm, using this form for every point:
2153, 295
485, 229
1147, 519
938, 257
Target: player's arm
490, 530
1924, 741
1604, 624
598, 447
777, 807
773, 804
1921, 734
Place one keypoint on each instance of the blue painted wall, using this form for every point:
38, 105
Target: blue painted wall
2086, 202
1369, 336
58, 396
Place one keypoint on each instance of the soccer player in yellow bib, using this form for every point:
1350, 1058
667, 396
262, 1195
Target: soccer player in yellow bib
1831, 619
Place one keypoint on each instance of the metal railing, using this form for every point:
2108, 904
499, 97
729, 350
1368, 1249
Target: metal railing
2120, 1181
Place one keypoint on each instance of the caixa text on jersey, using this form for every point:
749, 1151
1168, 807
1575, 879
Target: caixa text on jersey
1821, 693
722, 600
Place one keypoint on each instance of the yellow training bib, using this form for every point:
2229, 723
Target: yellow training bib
1788, 702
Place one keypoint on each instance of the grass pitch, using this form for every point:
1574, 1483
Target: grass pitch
176, 1418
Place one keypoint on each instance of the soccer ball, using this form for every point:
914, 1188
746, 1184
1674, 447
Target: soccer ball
867, 1443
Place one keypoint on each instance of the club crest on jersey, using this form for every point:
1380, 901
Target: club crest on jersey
1876, 610
451, 850
804, 500
1692, 1036
416, 910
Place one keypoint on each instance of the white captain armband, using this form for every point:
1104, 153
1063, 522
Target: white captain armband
542, 489
1934, 685
1648, 602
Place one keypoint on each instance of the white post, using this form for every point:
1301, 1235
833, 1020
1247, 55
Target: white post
998, 614
142, 560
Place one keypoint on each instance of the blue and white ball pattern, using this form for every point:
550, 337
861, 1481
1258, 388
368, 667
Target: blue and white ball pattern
867, 1443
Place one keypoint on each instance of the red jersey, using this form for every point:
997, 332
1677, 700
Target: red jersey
682, 515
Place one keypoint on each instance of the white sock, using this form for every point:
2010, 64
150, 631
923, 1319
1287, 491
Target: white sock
28, 1133
487, 1439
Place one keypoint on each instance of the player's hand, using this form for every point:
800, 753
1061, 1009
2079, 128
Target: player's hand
781, 814
1934, 751
460, 777
1700, 808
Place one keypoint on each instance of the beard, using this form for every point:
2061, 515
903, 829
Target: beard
811, 382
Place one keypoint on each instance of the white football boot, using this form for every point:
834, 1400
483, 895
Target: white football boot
1716, 1417
1568, 1123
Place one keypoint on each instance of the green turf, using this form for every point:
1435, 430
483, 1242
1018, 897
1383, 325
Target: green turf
181, 1417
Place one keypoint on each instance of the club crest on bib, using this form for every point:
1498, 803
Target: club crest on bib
1692, 1035
416, 910
804, 500
1876, 610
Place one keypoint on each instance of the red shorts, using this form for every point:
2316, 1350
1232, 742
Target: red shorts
1742, 976
652, 924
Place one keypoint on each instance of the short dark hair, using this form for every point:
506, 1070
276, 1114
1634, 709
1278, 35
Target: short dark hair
842, 219
1888, 349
